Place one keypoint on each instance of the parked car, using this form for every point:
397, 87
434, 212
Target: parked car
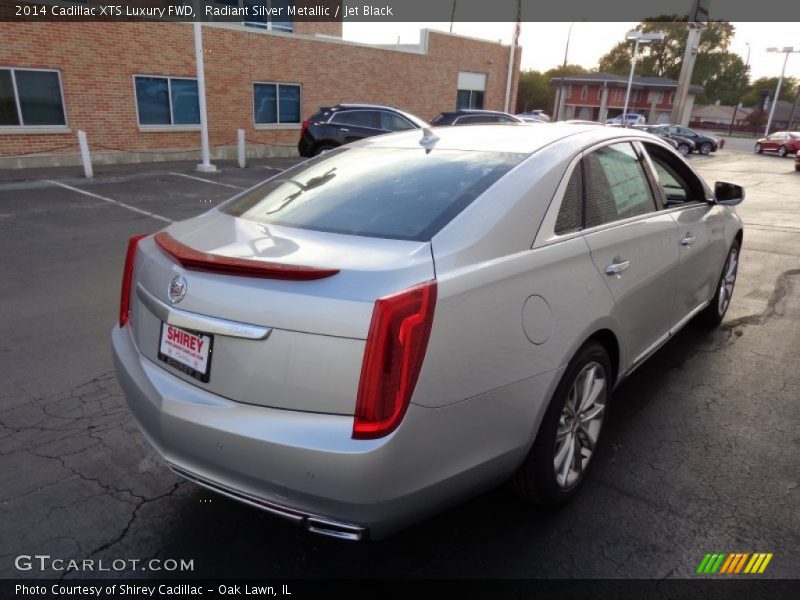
681, 144
474, 117
538, 114
379, 332
333, 126
631, 119
782, 142
705, 144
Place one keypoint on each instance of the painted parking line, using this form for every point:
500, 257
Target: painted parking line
115, 202
236, 187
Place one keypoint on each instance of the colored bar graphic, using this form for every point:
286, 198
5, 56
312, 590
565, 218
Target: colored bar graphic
741, 561
765, 563
727, 564
734, 563
718, 562
703, 563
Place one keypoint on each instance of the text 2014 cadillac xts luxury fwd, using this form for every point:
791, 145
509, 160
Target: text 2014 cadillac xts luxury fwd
400, 323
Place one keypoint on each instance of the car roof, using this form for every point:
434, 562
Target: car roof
475, 111
525, 138
365, 105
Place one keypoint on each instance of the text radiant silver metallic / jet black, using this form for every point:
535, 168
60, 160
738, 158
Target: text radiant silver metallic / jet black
389, 328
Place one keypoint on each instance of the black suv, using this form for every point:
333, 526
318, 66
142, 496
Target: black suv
332, 126
474, 116
682, 144
705, 143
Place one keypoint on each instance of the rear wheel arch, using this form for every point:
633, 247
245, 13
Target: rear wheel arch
608, 340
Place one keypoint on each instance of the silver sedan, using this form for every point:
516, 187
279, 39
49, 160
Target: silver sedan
398, 324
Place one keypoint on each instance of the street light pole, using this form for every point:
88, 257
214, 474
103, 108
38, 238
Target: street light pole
643, 38
630, 81
787, 51
563, 71
741, 90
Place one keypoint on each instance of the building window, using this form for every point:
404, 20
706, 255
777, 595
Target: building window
276, 103
636, 96
471, 90
167, 100
584, 92
619, 94
660, 98
671, 97
31, 98
273, 15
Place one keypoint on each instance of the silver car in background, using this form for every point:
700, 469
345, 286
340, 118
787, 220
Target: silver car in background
399, 324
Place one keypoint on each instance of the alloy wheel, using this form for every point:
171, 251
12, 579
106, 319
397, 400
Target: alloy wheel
705, 148
579, 425
782, 151
727, 281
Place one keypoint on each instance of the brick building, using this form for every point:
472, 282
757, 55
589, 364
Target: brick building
601, 96
132, 86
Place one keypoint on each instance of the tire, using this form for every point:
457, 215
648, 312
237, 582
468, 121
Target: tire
712, 315
684, 149
323, 148
560, 434
797, 166
759, 149
782, 152
705, 148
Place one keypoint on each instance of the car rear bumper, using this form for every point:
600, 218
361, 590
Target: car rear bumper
304, 148
305, 466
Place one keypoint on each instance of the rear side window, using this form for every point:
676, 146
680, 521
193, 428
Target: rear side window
395, 193
616, 185
393, 122
357, 118
570, 214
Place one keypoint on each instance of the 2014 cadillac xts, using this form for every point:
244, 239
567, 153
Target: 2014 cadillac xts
403, 322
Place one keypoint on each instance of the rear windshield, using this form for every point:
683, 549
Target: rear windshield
396, 193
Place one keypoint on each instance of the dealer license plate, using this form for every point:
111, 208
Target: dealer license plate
188, 351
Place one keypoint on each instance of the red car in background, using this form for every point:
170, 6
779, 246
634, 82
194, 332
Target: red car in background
782, 142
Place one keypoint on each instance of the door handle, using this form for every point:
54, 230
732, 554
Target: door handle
618, 266
688, 239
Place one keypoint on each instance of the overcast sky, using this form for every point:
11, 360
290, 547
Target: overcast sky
543, 43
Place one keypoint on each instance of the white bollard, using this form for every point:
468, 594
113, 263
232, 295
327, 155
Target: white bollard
240, 147
85, 157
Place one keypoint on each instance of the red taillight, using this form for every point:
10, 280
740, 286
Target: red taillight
304, 126
194, 260
398, 337
127, 279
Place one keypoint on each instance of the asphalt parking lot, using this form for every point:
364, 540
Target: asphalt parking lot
700, 453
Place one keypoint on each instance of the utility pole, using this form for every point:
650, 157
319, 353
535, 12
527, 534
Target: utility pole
685, 79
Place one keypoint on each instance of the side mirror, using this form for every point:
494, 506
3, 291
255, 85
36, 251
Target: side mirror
728, 194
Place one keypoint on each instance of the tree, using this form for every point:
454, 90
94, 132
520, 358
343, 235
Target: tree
534, 90
789, 89
720, 72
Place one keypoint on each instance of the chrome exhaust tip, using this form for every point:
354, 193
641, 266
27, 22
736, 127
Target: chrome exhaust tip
312, 523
